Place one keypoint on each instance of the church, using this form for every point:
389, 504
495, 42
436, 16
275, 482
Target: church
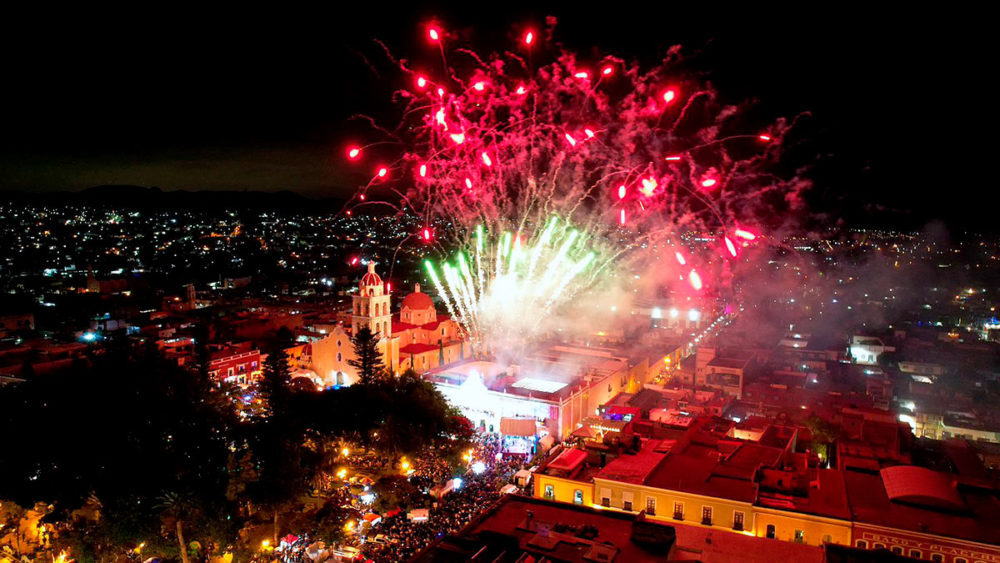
416, 336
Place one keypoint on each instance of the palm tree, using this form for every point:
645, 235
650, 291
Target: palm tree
178, 507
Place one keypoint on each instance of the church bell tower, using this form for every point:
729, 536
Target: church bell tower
372, 305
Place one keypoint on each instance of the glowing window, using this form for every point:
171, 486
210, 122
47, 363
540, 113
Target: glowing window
738, 520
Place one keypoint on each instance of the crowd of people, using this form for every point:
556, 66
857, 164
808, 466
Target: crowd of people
369, 462
397, 537
431, 469
404, 537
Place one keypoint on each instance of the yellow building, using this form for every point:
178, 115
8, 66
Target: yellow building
685, 481
566, 477
565, 490
676, 480
800, 528
676, 506
818, 513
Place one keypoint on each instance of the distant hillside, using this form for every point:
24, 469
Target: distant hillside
140, 197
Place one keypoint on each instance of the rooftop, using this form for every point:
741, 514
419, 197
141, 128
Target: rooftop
871, 504
731, 363
635, 468
568, 460
416, 348
826, 496
696, 474
917, 485
505, 532
552, 374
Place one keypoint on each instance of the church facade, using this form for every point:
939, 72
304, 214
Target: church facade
415, 336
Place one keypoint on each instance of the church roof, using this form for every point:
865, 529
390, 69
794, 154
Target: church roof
371, 278
399, 325
416, 349
417, 300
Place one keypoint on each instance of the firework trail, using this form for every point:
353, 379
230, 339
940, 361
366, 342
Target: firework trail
553, 180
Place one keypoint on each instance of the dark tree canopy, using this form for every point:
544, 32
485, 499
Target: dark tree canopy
163, 455
125, 433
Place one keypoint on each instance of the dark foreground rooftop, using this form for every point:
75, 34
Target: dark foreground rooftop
517, 525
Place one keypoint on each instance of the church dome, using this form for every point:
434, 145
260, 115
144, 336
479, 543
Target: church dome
417, 300
371, 278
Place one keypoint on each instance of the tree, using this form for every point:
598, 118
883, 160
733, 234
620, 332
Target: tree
121, 433
460, 431
410, 415
284, 337
282, 467
177, 507
283, 460
823, 434
367, 358
328, 522
201, 353
274, 383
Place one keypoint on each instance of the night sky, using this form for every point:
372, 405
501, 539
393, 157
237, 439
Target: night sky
184, 98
